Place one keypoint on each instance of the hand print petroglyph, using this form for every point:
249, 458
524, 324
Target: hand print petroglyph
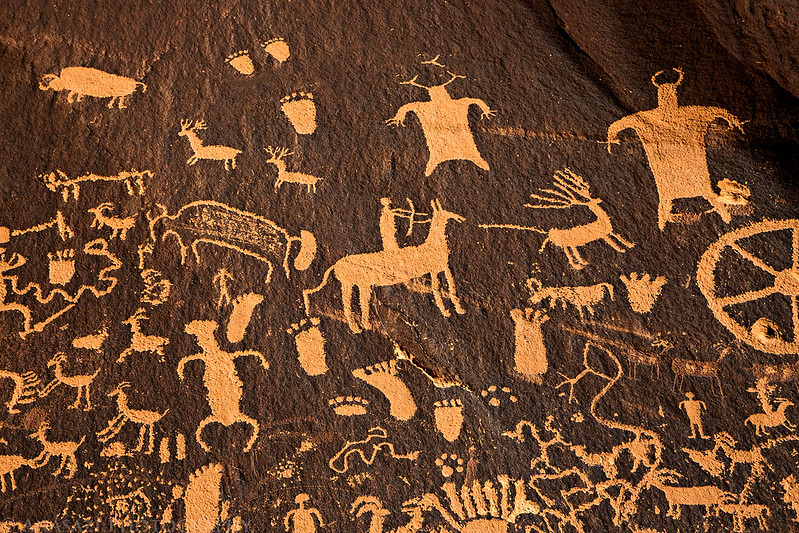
201, 151
86, 81
221, 225
300, 109
445, 123
570, 190
145, 419
383, 377
391, 267
59, 182
221, 380
276, 157
61, 267
674, 141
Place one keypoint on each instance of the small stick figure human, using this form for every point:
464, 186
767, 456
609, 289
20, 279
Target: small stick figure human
693, 408
303, 519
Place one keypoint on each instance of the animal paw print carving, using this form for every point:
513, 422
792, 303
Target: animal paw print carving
383, 377
310, 343
494, 395
277, 48
242, 62
449, 464
62, 266
449, 418
300, 109
349, 405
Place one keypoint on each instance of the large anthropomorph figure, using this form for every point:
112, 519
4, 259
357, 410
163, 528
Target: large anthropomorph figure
445, 123
674, 141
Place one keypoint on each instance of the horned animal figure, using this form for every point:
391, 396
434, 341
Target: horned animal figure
140, 342
216, 152
584, 297
59, 182
147, 420
65, 451
119, 226
276, 156
390, 267
80, 382
776, 418
25, 389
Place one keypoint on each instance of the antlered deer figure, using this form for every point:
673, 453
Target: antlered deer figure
216, 152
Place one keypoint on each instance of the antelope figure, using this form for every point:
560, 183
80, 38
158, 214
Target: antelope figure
9, 464
147, 420
570, 190
80, 382
221, 380
119, 226
140, 342
65, 451
276, 156
390, 267
216, 152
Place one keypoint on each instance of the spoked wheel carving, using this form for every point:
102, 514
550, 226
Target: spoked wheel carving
786, 283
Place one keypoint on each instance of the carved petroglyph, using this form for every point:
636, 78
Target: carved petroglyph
383, 377
277, 48
65, 451
221, 225
530, 353
26, 389
674, 141
698, 369
276, 156
771, 419
570, 190
349, 405
241, 315
494, 395
119, 226
693, 408
242, 62
156, 289
86, 81
450, 463
201, 151
391, 267
221, 381
790, 488
300, 109
763, 334
61, 267
80, 382
707, 496
139, 342
59, 182
146, 419
642, 290
310, 343
448, 415
367, 449
202, 499
583, 298
445, 123
9, 464
303, 519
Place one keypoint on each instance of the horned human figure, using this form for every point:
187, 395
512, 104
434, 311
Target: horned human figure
674, 141
445, 123
391, 267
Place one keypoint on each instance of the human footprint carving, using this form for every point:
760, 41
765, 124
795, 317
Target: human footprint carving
449, 464
277, 48
310, 343
495, 395
300, 109
449, 418
349, 405
383, 377
62, 266
243, 307
242, 62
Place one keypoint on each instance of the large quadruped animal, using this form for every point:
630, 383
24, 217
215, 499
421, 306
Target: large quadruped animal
87, 81
390, 267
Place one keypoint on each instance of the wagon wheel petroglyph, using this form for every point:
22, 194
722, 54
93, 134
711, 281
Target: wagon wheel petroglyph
786, 282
